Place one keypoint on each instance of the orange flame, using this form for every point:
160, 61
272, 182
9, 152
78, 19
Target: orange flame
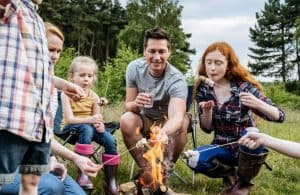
155, 157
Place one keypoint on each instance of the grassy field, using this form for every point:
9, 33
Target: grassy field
284, 179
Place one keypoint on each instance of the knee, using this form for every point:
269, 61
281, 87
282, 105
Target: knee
50, 184
29, 181
129, 122
87, 130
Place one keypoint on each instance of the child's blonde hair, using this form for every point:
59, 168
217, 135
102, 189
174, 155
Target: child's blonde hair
82, 60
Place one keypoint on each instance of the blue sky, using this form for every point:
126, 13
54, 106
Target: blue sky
219, 20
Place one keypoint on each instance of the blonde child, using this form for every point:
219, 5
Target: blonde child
84, 116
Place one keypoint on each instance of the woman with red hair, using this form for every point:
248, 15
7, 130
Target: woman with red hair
227, 95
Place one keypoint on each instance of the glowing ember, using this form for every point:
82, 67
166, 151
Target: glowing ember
153, 178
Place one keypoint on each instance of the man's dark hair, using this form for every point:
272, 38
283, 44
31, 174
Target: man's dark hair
156, 33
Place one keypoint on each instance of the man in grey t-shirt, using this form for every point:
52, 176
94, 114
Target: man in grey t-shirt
166, 105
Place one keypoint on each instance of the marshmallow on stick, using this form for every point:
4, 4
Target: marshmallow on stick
206, 81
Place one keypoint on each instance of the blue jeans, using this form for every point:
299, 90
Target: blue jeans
87, 133
208, 153
49, 184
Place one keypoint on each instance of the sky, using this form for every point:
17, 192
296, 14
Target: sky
219, 20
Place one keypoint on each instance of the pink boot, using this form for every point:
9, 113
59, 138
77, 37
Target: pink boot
82, 179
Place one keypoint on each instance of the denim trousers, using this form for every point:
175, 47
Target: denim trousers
87, 133
49, 184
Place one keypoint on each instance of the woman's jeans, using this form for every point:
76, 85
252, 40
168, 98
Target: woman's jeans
49, 184
87, 133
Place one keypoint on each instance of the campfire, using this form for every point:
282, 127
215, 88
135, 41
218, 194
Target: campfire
152, 178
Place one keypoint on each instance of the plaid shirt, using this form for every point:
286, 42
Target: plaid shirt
231, 118
26, 83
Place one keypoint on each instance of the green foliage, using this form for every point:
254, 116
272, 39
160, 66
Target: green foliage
144, 15
90, 26
277, 93
297, 33
293, 87
112, 80
62, 66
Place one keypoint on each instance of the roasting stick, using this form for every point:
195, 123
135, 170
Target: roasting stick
218, 146
211, 83
139, 144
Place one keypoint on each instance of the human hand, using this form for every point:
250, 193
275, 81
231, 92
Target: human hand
161, 136
96, 119
100, 128
143, 99
206, 105
87, 166
249, 100
74, 91
57, 169
253, 140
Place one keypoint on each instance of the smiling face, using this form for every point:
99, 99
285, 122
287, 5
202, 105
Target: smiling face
156, 54
55, 45
216, 66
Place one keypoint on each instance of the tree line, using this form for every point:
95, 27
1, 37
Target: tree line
113, 36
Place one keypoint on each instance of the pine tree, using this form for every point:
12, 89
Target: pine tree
273, 41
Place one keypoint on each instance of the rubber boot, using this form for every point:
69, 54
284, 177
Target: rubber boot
82, 179
110, 172
249, 166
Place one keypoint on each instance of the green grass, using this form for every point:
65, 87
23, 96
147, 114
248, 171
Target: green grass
284, 179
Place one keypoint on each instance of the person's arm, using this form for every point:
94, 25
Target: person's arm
85, 164
176, 112
206, 116
71, 119
73, 91
254, 140
135, 101
96, 104
271, 112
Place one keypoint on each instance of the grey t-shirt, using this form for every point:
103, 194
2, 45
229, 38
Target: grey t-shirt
171, 85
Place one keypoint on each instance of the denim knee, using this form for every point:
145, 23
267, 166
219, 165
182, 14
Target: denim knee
107, 140
50, 184
85, 133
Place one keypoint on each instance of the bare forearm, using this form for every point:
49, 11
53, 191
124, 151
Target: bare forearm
271, 111
132, 107
172, 125
60, 150
206, 119
78, 120
288, 148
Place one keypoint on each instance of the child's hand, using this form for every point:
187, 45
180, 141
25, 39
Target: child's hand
100, 128
97, 118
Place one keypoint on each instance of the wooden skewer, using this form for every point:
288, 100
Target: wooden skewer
121, 154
